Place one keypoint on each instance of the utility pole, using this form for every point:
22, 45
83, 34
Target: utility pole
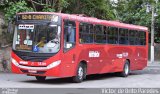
152, 35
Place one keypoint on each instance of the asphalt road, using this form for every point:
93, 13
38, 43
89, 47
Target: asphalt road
147, 78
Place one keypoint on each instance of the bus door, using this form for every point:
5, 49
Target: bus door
69, 39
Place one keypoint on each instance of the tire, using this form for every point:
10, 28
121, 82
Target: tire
126, 69
80, 73
41, 78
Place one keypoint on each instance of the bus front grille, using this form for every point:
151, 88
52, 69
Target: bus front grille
35, 57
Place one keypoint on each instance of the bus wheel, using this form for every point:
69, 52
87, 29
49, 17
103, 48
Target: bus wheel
80, 74
126, 69
41, 78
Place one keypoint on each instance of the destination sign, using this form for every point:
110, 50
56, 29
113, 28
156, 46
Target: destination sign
37, 17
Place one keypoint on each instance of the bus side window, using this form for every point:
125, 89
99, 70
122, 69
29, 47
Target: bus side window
132, 37
123, 36
137, 42
112, 35
69, 34
100, 34
86, 33
142, 37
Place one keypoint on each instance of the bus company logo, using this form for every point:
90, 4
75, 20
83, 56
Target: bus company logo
122, 55
119, 55
94, 54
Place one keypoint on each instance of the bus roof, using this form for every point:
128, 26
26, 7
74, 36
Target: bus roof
92, 20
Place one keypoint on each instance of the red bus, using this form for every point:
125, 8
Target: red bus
65, 45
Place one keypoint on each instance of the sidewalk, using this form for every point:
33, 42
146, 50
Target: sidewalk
155, 64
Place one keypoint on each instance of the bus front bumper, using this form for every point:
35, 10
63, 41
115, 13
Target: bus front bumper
50, 70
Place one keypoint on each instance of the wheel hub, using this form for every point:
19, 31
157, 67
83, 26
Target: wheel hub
126, 69
80, 72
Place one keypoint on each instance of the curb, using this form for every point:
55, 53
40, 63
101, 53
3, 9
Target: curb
153, 65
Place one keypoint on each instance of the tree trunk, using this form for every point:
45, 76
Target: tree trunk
59, 7
77, 8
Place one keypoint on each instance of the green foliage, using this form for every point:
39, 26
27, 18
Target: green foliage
95, 8
63, 3
3, 4
47, 9
130, 11
14, 8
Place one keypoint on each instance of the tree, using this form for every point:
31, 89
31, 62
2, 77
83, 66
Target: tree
16, 7
48, 5
133, 12
11, 7
95, 8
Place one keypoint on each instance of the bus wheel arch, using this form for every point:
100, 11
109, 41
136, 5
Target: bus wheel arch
126, 68
81, 72
128, 61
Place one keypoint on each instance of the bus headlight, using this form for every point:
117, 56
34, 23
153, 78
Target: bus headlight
54, 64
14, 62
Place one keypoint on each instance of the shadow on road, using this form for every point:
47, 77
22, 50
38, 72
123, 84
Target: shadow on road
96, 77
63, 81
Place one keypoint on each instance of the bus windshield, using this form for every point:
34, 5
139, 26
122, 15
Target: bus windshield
38, 38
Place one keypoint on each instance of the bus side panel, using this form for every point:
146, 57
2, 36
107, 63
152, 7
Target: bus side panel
141, 59
118, 54
81, 53
95, 55
115, 65
107, 60
73, 57
110, 59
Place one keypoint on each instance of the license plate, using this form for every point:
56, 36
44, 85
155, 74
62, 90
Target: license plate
32, 71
